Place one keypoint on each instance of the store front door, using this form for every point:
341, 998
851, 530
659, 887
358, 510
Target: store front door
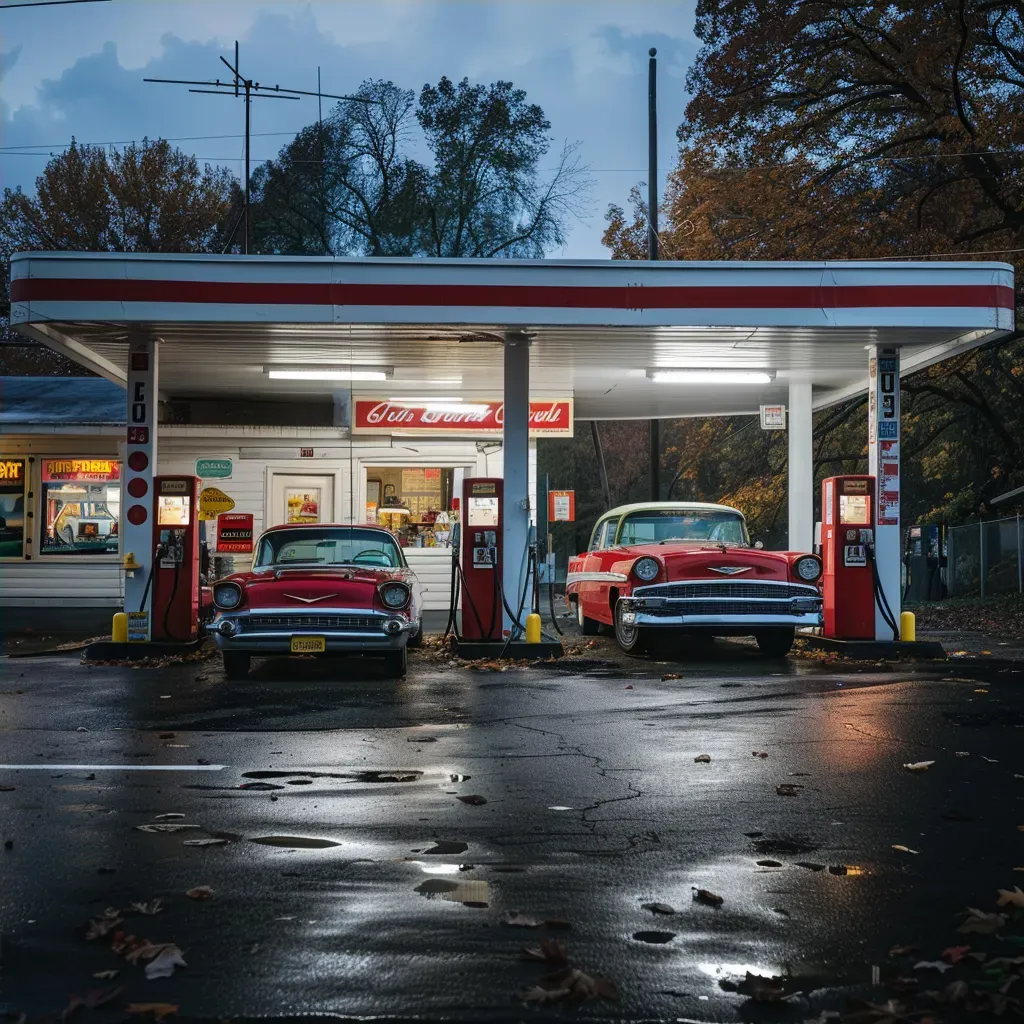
301, 499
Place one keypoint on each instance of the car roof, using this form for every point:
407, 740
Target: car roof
328, 526
667, 506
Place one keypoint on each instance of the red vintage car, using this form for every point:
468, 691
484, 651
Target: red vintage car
320, 590
665, 571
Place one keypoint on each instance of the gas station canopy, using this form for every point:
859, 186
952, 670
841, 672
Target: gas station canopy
600, 331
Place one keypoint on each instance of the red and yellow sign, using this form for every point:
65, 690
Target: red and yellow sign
12, 470
481, 419
80, 470
561, 506
234, 533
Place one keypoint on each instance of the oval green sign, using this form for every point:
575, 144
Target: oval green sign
213, 469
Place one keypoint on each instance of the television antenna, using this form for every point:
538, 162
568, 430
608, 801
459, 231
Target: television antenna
239, 86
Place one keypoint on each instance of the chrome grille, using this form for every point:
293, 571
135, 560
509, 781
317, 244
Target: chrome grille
727, 588
720, 608
308, 623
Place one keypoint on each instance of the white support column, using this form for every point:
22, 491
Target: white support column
884, 466
137, 476
516, 457
800, 427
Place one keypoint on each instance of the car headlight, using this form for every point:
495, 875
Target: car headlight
395, 595
227, 595
808, 569
646, 568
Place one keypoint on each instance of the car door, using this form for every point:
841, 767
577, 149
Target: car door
583, 570
602, 579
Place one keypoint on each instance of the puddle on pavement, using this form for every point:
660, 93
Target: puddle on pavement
776, 843
657, 938
261, 787
296, 842
472, 893
304, 778
444, 848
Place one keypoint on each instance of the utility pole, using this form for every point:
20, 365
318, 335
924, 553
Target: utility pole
249, 90
652, 237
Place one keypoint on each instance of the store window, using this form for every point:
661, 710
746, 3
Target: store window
12, 508
81, 506
414, 502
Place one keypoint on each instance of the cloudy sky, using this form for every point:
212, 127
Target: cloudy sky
77, 70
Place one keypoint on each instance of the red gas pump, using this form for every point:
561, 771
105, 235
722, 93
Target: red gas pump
175, 608
847, 540
481, 558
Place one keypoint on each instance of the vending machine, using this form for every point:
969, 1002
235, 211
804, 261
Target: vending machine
847, 543
481, 558
175, 605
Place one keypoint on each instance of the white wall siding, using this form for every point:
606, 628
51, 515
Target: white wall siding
84, 583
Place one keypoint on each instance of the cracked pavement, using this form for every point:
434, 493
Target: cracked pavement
594, 806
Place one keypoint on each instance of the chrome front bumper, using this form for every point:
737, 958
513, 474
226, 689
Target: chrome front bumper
736, 605
345, 630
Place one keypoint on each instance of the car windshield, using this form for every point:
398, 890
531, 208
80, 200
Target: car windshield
328, 546
658, 526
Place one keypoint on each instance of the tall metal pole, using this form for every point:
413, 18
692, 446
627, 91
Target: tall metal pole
652, 237
248, 212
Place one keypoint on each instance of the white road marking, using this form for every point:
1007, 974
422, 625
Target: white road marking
113, 767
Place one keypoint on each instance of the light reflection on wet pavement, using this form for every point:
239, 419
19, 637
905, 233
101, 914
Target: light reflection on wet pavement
353, 881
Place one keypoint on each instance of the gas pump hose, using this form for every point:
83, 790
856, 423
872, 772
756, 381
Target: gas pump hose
881, 600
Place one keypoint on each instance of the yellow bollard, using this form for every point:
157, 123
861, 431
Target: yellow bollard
119, 628
908, 627
533, 628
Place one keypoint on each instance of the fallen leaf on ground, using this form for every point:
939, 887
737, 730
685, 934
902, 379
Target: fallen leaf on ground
918, 766
149, 909
1012, 897
902, 950
164, 827
518, 920
159, 1010
570, 985
203, 842
935, 965
980, 922
709, 898
702, 759
759, 753
169, 817
104, 924
903, 849
954, 954
658, 908
788, 789
106, 975
550, 951
7, 789
763, 990
628, 687
671, 675
163, 964
200, 892
474, 799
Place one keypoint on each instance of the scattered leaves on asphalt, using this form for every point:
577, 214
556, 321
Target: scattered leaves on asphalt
981, 922
1011, 897
200, 892
104, 924
954, 954
149, 909
551, 951
163, 964
473, 799
158, 1010
708, 898
570, 986
702, 759
518, 920
904, 849
658, 908
788, 789
918, 766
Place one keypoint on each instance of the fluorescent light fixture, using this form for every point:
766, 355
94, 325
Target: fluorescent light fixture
702, 376
298, 372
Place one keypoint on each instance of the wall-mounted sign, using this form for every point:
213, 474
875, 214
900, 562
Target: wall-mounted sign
380, 416
12, 508
773, 417
80, 470
213, 469
213, 501
561, 506
234, 533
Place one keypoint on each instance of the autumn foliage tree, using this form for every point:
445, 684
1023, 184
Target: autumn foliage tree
856, 129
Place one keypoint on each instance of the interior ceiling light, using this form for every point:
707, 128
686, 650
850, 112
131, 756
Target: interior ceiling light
702, 376
293, 372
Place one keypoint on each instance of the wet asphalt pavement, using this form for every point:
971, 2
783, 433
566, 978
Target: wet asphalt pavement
594, 807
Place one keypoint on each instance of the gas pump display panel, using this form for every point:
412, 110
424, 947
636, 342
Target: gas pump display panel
483, 512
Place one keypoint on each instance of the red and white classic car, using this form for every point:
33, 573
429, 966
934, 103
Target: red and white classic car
665, 570
321, 590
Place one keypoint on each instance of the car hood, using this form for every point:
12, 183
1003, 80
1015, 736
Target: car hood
701, 561
342, 587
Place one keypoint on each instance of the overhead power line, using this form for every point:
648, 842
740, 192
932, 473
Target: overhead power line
51, 3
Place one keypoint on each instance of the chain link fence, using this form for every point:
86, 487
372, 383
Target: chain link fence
985, 559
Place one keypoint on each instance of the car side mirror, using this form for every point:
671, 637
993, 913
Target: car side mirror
759, 544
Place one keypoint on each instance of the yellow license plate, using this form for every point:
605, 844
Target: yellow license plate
309, 644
